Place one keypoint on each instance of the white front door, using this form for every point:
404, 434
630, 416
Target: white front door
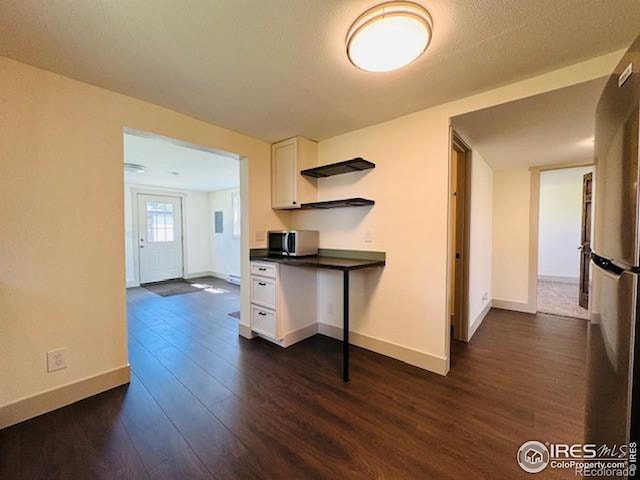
159, 237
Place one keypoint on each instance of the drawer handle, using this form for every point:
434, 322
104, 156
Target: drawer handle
262, 313
262, 284
262, 269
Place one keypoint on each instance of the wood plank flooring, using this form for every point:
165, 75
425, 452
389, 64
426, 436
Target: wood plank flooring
206, 404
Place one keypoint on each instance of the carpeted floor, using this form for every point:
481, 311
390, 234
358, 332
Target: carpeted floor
560, 299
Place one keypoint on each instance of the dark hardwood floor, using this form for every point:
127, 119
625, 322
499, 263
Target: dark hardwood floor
204, 403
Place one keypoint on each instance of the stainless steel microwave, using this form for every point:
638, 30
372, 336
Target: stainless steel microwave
294, 243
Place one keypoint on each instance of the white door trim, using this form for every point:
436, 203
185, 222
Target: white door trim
135, 191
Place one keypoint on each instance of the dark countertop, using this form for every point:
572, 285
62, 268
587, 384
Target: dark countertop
333, 263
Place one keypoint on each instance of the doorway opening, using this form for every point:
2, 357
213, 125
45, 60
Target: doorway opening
564, 241
182, 226
509, 148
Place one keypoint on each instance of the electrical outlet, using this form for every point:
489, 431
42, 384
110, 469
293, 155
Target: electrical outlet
330, 309
260, 236
56, 360
368, 236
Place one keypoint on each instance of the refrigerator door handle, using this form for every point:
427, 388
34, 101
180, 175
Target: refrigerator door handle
607, 266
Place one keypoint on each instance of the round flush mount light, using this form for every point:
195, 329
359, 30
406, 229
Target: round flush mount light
389, 36
134, 168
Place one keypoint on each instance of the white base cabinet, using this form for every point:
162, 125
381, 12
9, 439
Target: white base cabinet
264, 321
283, 302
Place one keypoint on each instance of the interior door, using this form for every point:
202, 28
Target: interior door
585, 239
159, 237
457, 235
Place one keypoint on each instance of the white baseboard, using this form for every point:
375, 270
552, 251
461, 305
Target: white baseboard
412, 357
478, 320
206, 273
559, 279
422, 360
221, 276
132, 284
289, 338
245, 331
299, 335
210, 273
44, 402
514, 306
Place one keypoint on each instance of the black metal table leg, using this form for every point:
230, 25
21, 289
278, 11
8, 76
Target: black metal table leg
345, 327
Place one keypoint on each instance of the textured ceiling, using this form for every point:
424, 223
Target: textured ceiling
197, 169
276, 68
547, 129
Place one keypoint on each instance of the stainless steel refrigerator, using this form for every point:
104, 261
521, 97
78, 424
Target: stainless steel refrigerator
613, 359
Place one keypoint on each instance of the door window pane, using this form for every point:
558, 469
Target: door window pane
160, 225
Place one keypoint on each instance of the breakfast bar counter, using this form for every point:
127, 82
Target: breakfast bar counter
321, 261
343, 260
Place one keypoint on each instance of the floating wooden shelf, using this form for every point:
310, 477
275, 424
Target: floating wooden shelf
347, 202
354, 165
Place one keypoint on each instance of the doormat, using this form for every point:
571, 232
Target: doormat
170, 288
235, 315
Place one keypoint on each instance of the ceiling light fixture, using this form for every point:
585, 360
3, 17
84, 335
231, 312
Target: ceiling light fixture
134, 168
389, 36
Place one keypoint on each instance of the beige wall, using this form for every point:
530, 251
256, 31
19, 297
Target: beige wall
480, 241
62, 271
406, 305
511, 213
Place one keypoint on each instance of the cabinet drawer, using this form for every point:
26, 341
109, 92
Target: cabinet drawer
264, 269
263, 291
263, 321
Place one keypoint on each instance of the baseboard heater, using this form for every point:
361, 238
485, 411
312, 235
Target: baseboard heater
234, 279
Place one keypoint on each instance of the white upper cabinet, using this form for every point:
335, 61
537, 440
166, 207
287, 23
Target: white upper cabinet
289, 189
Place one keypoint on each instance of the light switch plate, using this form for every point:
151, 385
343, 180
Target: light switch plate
368, 236
56, 360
